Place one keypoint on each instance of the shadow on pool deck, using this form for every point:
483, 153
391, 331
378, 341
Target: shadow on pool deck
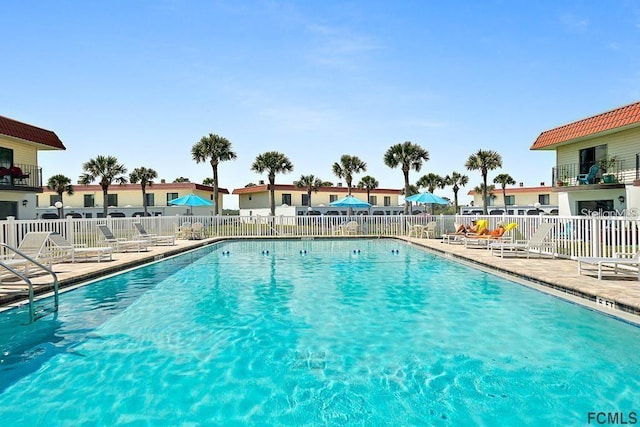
557, 274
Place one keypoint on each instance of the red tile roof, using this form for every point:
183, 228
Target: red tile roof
16, 129
614, 119
513, 190
284, 187
78, 188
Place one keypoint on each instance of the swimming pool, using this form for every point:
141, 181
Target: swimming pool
314, 332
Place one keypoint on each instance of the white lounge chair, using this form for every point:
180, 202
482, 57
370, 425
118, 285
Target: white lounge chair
537, 241
630, 262
63, 250
122, 245
154, 238
499, 235
33, 245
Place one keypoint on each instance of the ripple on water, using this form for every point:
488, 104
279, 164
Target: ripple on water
328, 338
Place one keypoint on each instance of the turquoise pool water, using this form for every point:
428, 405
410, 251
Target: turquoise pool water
313, 333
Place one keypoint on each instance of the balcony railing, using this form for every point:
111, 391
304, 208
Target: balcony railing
569, 175
20, 176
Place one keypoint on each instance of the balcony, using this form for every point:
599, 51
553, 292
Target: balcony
21, 177
614, 175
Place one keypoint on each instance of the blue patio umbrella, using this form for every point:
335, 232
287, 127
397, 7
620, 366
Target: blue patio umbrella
190, 200
427, 197
350, 202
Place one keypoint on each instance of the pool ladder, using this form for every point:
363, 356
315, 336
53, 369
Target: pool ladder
35, 311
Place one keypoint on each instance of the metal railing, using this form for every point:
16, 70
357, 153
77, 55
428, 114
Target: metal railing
21, 175
35, 312
615, 173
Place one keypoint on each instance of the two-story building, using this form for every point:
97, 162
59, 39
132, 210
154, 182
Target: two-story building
597, 162
20, 176
126, 200
291, 200
518, 200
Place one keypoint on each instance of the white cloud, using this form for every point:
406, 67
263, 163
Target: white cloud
574, 24
339, 47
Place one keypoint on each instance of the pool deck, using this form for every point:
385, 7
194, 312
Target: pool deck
615, 294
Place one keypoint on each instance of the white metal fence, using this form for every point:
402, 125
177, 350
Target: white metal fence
573, 236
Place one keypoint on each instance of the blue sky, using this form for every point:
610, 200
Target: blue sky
145, 80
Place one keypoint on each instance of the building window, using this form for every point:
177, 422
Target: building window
387, 200
112, 200
53, 198
332, 198
587, 207
591, 156
89, 201
373, 200
286, 199
150, 199
6, 161
305, 200
8, 209
510, 200
171, 196
543, 199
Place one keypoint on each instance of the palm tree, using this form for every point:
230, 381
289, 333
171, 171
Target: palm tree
181, 179
413, 189
484, 161
504, 179
311, 183
431, 181
409, 156
144, 176
107, 170
486, 191
369, 183
60, 184
273, 162
456, 180
217, 149
348, 166
208, 181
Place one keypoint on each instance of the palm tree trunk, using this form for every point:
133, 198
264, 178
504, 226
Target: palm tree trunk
455, 199
349, 211
105, 201
144, 199
504, 197
215, 189
272, 194
484, 194
406, 191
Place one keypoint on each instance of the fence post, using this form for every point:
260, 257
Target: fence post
11, 232
595, 237
69, 229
